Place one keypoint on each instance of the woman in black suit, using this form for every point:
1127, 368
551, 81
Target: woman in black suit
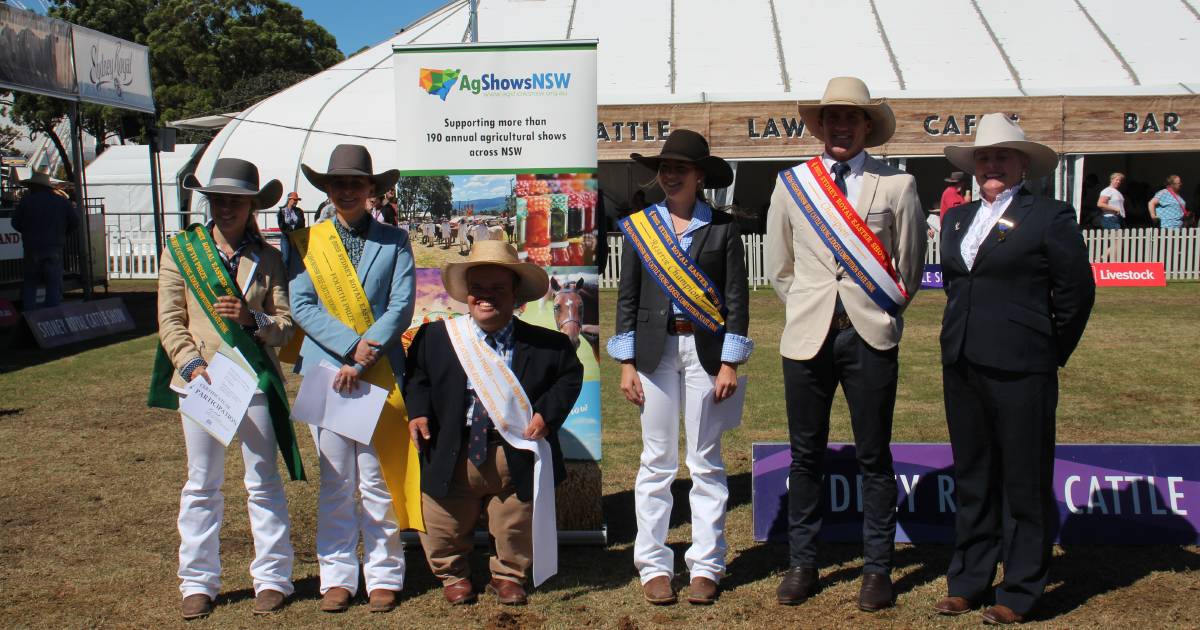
1019, 290
671, 359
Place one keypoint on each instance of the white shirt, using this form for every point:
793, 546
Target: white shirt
985, 219
1115, 199
853, 178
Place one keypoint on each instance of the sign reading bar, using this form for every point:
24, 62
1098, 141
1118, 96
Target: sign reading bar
61, 325
478, 112
112, 71
1107, 493
1148, 274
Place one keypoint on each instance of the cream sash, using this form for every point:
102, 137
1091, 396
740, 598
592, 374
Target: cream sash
505, 400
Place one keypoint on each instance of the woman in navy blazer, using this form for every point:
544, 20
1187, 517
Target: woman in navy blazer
382, 257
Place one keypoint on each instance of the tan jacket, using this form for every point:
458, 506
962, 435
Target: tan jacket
186, 332
803, 272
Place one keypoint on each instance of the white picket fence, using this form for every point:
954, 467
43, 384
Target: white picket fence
1178, 250
131, 254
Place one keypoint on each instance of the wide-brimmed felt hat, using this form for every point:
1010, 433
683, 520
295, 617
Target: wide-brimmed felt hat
351, 160
853, 92
999, 131
686, 145
40, 177
231, 176
533, 279
955, 177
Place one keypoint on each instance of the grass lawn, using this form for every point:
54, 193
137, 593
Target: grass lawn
90, 480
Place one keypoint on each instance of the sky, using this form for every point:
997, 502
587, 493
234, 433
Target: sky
358, 23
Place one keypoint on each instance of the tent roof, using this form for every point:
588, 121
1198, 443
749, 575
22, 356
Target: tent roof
130, 165
660, 51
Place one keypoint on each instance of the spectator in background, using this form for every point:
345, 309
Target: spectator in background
1112, 203
44, 220
326, 210
290, 216
393, 207
957, 192
1168, 206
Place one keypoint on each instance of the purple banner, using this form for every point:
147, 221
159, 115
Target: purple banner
931, 278
1108, 494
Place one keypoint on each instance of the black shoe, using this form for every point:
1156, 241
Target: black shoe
876, 592
798, 584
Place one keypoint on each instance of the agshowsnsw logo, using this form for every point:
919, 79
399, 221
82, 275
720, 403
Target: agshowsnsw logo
440, 82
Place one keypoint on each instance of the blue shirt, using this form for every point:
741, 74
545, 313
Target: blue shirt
734, 348
504, 345
1169, 209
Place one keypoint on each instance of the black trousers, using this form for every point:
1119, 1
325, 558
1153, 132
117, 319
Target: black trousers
1002, 435
868, 378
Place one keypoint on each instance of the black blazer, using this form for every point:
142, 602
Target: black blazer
1024, 304
643, 307
435, 387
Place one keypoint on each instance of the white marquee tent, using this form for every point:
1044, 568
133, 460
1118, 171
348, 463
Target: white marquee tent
688, 51
121, 176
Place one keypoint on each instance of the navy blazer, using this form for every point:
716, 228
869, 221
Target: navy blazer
545, 363
1024, 304
642, 305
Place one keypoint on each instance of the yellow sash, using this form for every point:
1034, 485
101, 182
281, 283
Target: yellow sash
342, 294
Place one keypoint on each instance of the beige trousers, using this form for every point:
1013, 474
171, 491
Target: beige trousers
450, 521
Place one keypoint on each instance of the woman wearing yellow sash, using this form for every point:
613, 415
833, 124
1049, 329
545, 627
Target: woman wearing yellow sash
188, 328
354, 273
682, 321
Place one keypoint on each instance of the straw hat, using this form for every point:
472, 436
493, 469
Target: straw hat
999, 131
533, 281
355, 161
40, 177
231, 176
686, 145
853, 92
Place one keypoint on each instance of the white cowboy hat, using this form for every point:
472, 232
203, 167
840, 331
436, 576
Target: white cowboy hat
532, 284
40, 177
853, 92
1000, 131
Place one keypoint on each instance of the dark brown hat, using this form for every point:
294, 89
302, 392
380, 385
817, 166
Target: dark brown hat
955, 177
351, 160
686, 145
231, 176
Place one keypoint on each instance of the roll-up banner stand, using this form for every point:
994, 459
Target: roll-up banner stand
498, 141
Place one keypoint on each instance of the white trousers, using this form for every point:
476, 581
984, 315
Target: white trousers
679, 380
345, 466
202, 507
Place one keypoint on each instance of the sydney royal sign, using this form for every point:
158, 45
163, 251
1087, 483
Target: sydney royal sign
112, 71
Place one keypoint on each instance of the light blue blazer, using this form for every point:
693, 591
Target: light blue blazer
387, 276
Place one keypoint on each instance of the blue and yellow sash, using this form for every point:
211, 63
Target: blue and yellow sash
678, 275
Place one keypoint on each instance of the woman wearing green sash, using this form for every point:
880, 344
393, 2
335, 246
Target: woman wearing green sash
679, 351
191, 308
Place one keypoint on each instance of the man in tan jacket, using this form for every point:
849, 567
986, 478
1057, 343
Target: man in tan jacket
845, 248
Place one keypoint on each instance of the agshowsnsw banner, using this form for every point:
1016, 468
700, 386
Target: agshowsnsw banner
517, 107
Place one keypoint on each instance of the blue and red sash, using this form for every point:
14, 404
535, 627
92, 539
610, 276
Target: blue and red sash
679, 276
840, 228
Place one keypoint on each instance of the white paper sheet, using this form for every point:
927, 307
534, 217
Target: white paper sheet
728, 413
934, 221
351, 415
219, 408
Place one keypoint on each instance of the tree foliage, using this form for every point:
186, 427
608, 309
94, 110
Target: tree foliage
418, 196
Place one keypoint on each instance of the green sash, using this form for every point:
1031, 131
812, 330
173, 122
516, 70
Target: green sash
200, 265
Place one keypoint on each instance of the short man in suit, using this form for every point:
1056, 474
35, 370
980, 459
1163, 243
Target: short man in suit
1020, 290
470, 460
845, 248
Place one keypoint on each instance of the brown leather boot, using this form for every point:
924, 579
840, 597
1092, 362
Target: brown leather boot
335, 600
196, 606
382, 600
702, 591
658, 591
508, 592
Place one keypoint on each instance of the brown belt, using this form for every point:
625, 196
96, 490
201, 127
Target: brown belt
679, 327
841, 321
